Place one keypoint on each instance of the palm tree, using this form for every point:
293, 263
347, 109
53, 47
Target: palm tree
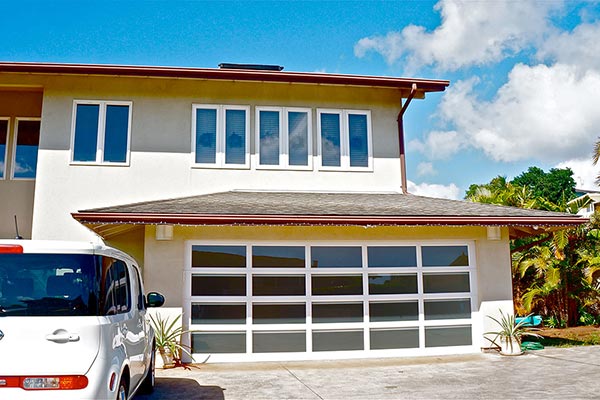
596, 158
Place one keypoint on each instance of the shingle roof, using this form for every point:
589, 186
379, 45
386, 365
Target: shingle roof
321, 208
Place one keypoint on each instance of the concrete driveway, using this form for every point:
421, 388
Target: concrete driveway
557, 373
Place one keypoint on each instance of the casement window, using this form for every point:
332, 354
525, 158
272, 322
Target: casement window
25, 149
344, 139
284, 137
220, 136
3, 145
101, 132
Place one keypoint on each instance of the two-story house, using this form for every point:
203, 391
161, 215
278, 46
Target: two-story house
268, 206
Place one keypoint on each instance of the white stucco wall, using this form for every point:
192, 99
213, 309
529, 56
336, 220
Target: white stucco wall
161, 160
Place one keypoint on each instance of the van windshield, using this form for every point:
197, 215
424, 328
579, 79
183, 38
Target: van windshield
48, 285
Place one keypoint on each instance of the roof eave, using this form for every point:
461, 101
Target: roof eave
227, 219
423, 85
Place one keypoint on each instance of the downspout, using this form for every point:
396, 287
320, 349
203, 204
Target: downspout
404, 183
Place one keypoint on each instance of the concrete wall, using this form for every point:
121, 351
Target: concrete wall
161, 160
16, 196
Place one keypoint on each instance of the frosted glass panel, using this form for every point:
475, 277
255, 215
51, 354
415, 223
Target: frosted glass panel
206, 135
334, 313
394, 338
279, 342
338, 340
439, 336
394, 311
219, 342
235, 136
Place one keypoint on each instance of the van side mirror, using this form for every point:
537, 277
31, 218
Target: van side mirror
154, 299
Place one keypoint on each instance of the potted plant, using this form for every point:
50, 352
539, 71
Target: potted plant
510, 334
168, 340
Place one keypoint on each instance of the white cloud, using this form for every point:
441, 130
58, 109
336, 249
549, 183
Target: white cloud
580, 47
438, 145
584, 172
450, 191
471, 33
426, 168
547, 113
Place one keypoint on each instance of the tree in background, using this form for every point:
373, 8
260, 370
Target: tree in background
554, 274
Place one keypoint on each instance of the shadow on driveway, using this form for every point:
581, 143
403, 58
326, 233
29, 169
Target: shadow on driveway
182, 389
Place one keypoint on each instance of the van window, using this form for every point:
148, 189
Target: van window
48, 285
137, 282
115, 298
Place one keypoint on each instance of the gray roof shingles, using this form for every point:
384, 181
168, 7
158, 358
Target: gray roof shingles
322, 204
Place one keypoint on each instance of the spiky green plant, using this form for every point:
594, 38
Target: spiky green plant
168, 335
510, 331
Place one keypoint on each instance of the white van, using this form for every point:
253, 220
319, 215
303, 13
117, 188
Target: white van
73, 322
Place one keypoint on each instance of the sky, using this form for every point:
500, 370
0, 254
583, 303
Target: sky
524, 75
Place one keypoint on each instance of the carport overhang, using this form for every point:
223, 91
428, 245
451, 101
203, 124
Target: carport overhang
320, 209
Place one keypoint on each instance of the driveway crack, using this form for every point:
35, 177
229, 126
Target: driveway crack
300, 380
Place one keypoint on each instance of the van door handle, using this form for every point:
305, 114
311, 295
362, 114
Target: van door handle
62, 336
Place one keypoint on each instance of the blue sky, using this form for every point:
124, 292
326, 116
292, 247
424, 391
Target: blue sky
525, 75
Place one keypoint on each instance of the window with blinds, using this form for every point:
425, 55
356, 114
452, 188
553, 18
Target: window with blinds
283, 137
344, 139
221, 137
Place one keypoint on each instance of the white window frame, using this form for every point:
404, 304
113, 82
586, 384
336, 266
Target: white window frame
308, 299
14, 140
7, 145
101, 131
284, 144
221, 136
344, 140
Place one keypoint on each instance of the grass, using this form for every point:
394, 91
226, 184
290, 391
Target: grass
569, 337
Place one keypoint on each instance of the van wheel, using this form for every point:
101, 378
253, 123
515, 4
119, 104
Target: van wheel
147, 386
122, 392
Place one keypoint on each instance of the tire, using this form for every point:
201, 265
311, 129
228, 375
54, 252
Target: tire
122, 391
147, 385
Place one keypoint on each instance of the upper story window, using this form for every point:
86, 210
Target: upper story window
101, 132
283, 137
19, 150
3, 145
345, 139
220, 136
27, 139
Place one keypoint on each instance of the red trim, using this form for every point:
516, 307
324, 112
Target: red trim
211, 219
424, 85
